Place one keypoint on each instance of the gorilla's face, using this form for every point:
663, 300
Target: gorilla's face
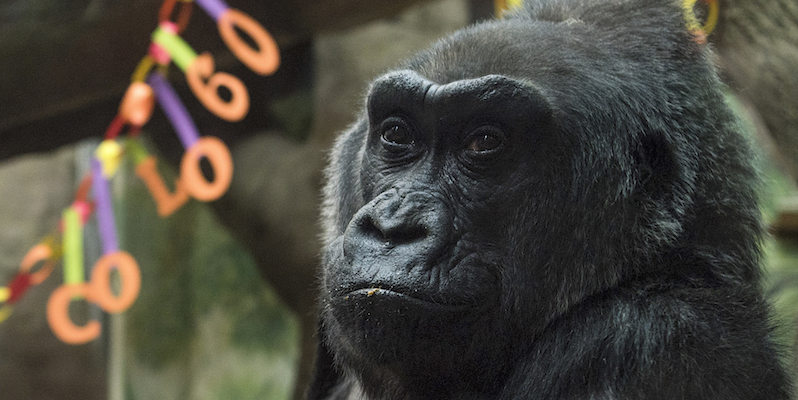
476, 202
536, 207
428, 268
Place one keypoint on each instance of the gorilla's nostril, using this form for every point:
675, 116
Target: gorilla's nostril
369, 229
406, 235
393, 234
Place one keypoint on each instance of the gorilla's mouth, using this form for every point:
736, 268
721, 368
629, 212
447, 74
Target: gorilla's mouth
379, 294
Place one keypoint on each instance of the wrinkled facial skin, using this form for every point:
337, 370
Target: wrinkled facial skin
456, 216
420, 271
469, 212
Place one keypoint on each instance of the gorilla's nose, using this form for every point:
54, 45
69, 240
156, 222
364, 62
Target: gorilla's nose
402, 226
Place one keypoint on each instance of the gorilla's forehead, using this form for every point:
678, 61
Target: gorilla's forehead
582, 69
407, 86
407, 93
534, 51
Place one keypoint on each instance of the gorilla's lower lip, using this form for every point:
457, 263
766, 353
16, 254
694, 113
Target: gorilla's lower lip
378, 293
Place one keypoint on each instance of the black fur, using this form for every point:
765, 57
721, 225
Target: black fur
557, 205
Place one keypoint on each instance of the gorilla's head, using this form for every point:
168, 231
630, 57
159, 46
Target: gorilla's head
521, 168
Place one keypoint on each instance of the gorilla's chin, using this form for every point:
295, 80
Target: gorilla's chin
383, 328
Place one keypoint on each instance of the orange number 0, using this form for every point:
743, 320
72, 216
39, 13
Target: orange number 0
266, 59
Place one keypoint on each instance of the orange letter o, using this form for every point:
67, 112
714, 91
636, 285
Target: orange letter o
130, 277
191, 176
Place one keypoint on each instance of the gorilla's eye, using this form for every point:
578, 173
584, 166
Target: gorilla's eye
484, 140
395, 132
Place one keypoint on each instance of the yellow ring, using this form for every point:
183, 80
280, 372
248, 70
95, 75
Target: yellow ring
712, 18
692, 21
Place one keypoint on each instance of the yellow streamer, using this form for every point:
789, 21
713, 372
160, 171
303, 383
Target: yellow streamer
5, 312
109, 152
692, 22
502, 6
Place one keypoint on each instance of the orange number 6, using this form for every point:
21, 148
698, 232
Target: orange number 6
208, 93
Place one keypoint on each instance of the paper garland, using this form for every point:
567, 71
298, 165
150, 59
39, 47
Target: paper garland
148, 86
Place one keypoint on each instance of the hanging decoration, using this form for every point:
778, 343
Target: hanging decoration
501, 7
93, 196
700, 32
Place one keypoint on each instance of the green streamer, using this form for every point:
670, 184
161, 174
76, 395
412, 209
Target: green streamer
182, 54
73, 248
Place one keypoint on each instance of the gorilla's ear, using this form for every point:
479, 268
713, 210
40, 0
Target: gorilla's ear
655, 166
664, 190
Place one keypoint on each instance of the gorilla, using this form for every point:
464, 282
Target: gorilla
556, 205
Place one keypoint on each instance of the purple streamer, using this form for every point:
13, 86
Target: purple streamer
174, 110
105, 208
214, 8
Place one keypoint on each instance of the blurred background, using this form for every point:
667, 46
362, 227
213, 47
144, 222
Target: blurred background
227, 305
